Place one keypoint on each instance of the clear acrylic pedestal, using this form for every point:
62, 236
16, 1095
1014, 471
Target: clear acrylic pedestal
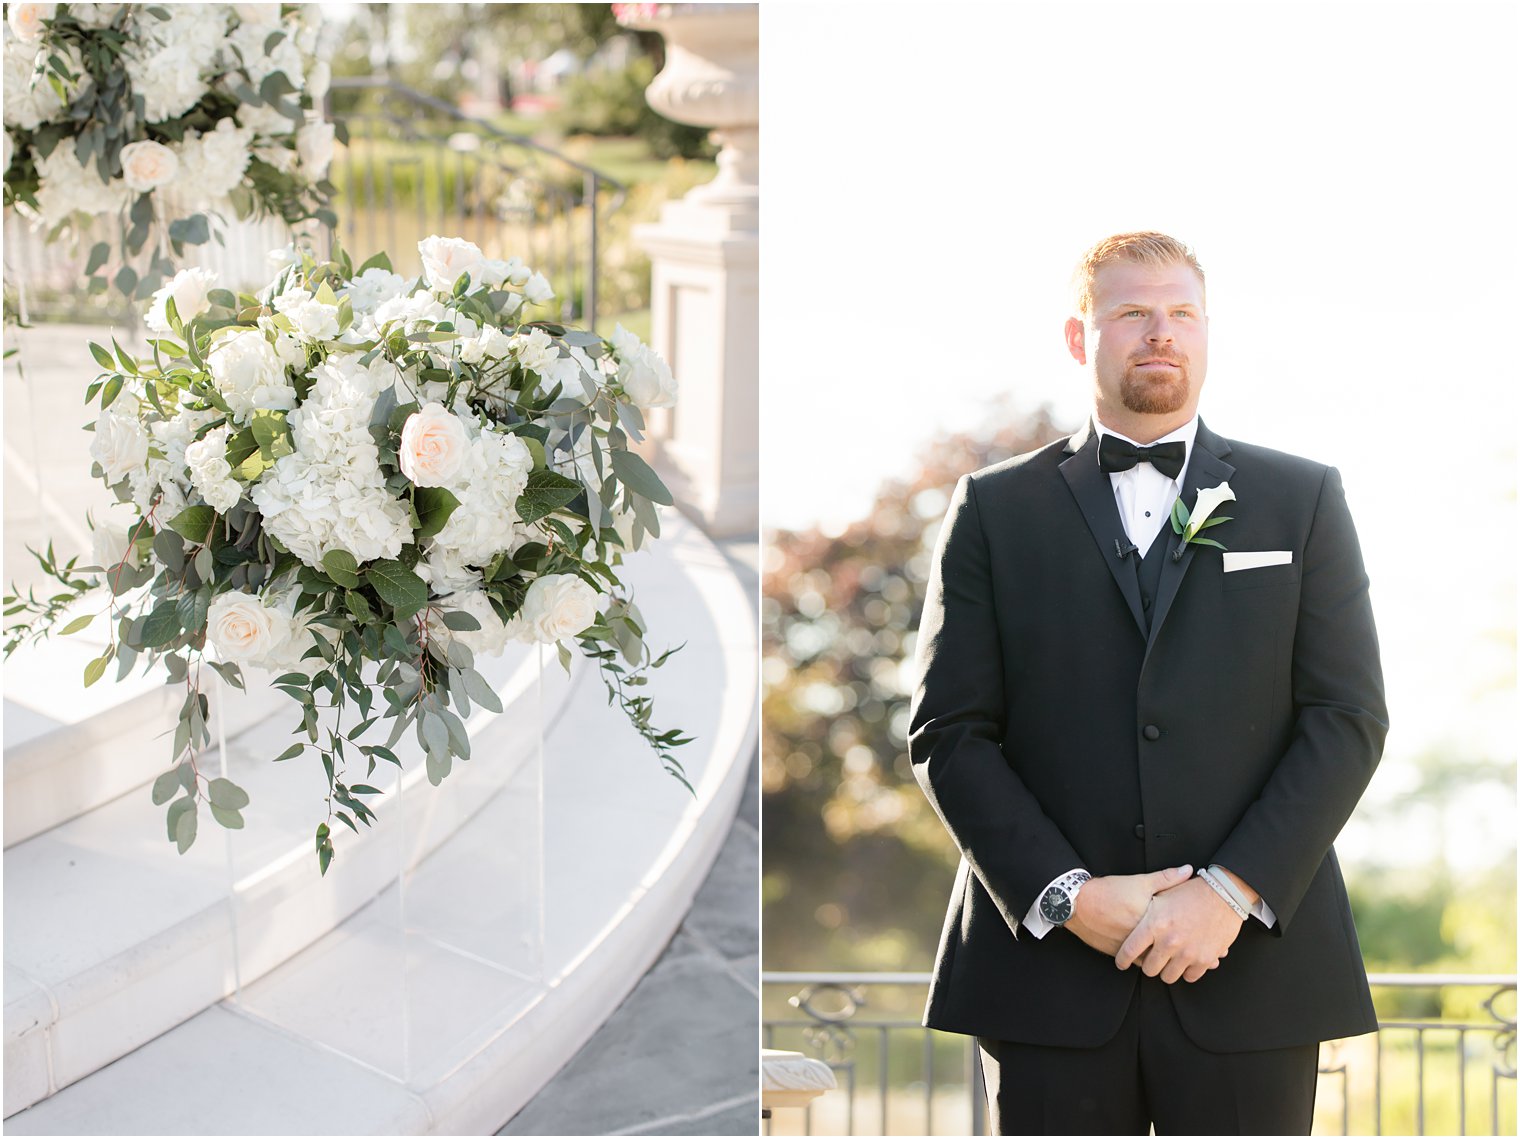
426, 937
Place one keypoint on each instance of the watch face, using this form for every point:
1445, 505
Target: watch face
1055, 906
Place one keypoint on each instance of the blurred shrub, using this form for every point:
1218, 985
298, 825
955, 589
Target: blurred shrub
611, 103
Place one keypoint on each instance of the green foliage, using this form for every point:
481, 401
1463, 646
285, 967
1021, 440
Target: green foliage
612, 103
857, 865
357, 615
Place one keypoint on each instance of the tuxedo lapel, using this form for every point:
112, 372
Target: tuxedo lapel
1094, 492
1206, 468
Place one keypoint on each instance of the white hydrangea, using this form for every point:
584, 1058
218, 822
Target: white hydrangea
446, 574
372, 288
313, 321
173, 435
211, 165
486, 522
164, 68
249, 39
410, 311
30, 99
64, 186
209, 473
491, 343
314, 144
95, 15
190, 290
330, 493
264, 121
489, 640
250, 374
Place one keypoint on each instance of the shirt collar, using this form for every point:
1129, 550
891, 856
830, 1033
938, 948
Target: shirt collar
1187, 433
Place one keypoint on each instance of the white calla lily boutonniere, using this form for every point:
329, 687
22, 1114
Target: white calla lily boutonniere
1191, 525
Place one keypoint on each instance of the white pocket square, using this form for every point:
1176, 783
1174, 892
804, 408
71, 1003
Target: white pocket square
1255, 559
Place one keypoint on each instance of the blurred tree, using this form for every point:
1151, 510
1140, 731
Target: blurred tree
857, 865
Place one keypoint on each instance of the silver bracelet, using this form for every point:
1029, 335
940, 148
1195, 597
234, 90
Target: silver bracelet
1224, 880
1220, 890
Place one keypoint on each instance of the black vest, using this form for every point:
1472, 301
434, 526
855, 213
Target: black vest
1148, 569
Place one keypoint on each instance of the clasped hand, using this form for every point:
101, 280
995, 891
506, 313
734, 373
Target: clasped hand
1173, 925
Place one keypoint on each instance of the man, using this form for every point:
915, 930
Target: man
1144, 742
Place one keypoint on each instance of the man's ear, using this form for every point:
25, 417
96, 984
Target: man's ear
1076, 340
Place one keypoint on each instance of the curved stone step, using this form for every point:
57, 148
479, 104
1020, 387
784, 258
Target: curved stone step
625, 851
70, 749
127, 938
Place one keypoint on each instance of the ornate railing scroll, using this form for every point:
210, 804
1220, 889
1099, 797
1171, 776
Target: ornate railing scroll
1443, 1061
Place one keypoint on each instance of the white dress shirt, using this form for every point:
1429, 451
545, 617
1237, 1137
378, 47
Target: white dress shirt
1144, 497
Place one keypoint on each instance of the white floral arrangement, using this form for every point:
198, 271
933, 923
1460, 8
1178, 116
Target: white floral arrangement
166, 118
360, 483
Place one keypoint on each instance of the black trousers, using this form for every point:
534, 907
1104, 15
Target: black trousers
1149, 1075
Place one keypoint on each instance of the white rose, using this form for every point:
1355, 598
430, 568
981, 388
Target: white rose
535, 350
537, 289
147, 165
445, 258
314, 143
120, 445
516, 272
191, 291
556, 606
26, 20
110, 544
643, 372
243, 630
250, 374
434, 446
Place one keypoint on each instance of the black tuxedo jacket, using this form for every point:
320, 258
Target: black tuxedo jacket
1051, 732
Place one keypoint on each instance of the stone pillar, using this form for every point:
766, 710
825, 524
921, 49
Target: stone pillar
705, 251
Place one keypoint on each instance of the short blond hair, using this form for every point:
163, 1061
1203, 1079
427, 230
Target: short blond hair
1144, 248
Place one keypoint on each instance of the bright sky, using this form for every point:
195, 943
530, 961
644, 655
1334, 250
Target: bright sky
1348, 175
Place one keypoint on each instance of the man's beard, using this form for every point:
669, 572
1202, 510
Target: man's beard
1155, 392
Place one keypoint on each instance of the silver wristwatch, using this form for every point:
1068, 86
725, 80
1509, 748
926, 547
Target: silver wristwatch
1060, 898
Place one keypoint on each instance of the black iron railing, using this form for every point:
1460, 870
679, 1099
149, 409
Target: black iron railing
1443, 1061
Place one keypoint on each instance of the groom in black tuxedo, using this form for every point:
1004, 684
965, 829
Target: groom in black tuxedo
1144, 742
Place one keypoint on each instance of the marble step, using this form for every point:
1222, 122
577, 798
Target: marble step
70, 749
624, 850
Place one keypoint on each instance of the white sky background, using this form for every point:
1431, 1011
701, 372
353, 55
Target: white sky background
1349, 175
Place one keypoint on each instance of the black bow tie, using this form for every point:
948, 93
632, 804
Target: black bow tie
1115, 455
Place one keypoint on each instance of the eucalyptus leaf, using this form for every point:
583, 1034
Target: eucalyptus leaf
225, 793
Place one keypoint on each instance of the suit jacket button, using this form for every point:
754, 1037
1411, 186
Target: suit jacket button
1151, 732
1140, 830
